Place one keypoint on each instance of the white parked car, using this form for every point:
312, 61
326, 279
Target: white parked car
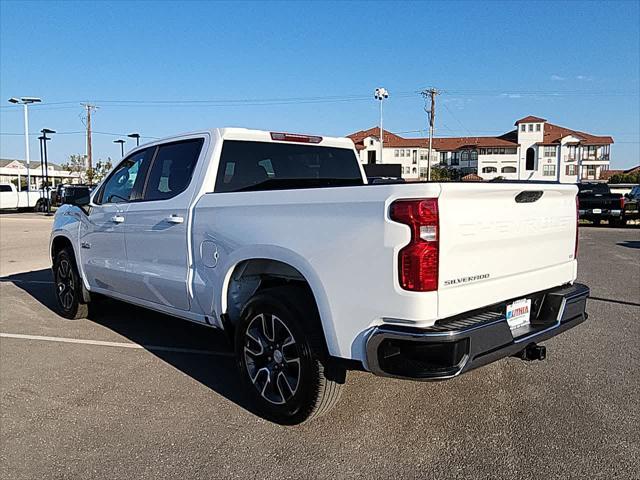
12, 199
277, 239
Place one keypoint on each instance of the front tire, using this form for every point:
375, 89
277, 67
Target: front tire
68, 285
281, 358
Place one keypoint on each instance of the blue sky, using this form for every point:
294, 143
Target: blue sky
574, 63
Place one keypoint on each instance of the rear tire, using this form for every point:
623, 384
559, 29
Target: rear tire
68, 286
618, 222
282, 359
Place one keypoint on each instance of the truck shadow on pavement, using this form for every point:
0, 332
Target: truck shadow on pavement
202, 353
629, 243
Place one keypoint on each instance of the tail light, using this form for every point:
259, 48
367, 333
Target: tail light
418, 261
621, 203
575, 248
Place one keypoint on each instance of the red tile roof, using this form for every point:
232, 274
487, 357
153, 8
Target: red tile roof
392, 140
554, 133
530, 119
472, 177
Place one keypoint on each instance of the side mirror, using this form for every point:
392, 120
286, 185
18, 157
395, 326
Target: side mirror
79, 198
81, 201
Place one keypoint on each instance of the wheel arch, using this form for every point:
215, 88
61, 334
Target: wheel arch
60, 242
247, 274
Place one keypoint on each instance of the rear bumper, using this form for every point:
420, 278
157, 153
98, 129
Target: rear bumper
600, 213
462, 343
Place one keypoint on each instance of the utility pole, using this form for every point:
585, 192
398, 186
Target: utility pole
430, 94
89, 108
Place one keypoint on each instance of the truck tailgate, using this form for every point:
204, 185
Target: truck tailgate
498, 243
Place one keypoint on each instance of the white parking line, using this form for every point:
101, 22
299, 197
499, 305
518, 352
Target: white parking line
157, 348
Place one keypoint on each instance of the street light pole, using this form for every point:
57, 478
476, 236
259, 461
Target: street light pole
136, 136
45, 139
41, 140
121, 142
25, 101
381, 94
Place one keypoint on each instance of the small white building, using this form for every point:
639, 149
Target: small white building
534, 150
15, 171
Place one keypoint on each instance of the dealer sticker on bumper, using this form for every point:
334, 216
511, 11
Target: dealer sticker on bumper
519, 313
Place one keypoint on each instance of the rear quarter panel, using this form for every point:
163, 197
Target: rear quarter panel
340, 239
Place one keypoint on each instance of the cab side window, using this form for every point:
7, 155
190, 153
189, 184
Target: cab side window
172, 169
120, 185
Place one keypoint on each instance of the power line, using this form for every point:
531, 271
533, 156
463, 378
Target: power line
456, 119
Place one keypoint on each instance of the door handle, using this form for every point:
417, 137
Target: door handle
175, 219
117, 219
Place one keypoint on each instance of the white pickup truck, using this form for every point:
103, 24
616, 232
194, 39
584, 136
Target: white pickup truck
277, 239
12, 199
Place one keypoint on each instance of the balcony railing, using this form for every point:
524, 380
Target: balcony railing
596, 158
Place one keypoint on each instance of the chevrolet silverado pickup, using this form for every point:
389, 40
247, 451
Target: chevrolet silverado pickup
278, 240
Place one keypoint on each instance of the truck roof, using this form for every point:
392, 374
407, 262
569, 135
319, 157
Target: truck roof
237, 133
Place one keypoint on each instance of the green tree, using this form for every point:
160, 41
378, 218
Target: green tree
101, 170
625, 178
78, 164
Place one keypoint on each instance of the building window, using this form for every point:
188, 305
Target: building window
537, 127
407, 153
511, 151
550, 151
489, 170
523, 128
465, 156
489, 151
549, 170
455, 158
502, 151
474, 155
508, 169
483, 151
414, 170
531, 127
571, 170
371, 143
395, 153
402, 153
443, 157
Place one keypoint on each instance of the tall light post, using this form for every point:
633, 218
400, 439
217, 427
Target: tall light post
25, 101
381, 94
136, 136
45, 139
121, 142
42, 139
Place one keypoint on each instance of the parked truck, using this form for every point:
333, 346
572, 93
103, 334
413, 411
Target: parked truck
12, 199
278, 240
597, 203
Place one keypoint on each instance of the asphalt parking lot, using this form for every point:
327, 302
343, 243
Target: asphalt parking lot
134, 394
